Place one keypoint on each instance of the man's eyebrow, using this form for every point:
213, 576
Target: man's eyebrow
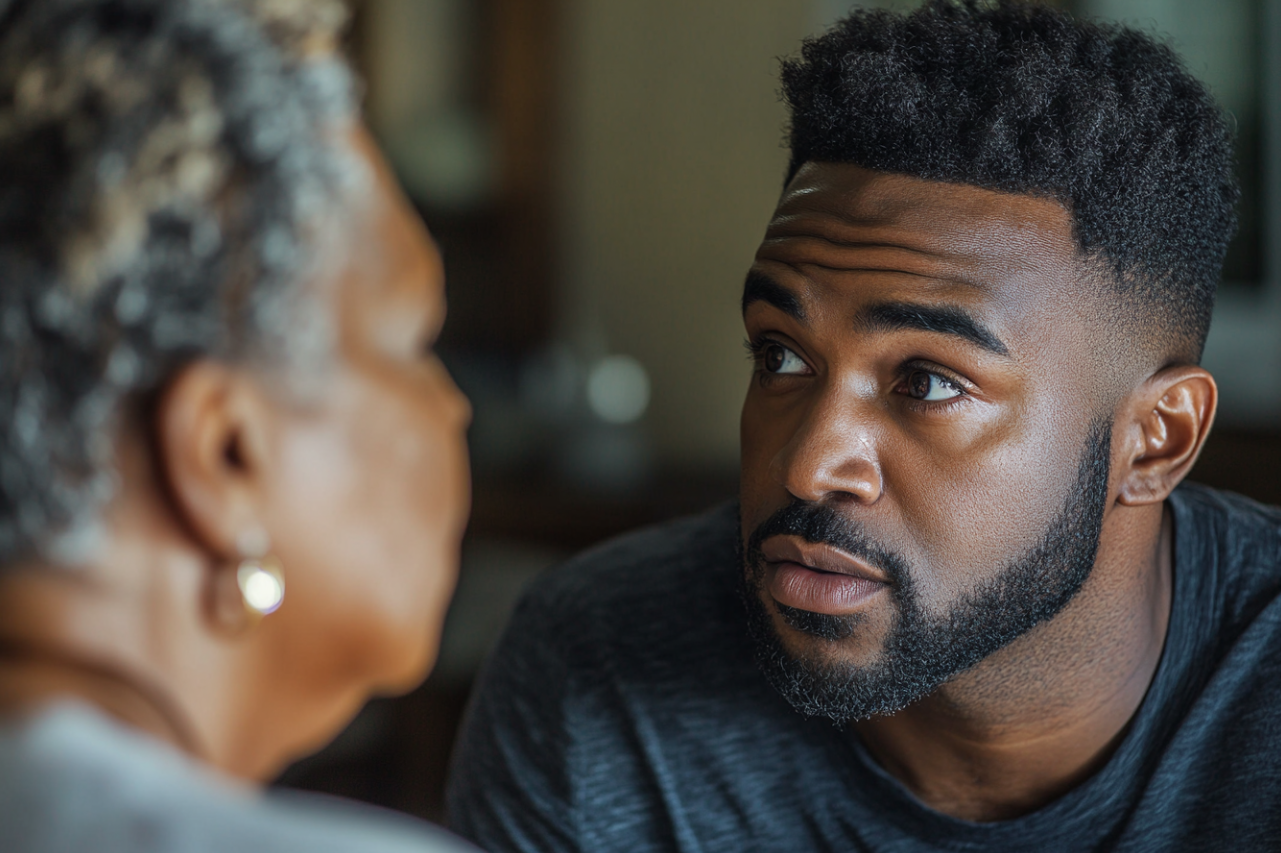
761, 288
944, 319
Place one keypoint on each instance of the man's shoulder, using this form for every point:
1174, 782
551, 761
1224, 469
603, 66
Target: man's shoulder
659, 607
624, 692
670, 570
1226, 511
1227, 575
1239, 538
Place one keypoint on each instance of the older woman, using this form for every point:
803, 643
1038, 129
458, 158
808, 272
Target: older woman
232, 471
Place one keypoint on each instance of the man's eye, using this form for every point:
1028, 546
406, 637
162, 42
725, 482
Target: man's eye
923, 385
776, 358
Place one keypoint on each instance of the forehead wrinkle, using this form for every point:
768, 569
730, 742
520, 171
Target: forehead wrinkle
845, 232
939, 282
785, 251
773, 238
998, 228
947, 261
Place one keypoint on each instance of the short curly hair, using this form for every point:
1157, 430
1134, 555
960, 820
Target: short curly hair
162, 166
1021, 98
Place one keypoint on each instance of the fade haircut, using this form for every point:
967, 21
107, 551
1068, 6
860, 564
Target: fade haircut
1020, 98
163, 164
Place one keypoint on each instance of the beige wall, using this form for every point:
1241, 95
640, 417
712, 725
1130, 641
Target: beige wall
674, 160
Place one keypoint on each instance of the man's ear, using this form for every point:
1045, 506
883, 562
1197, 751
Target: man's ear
212, 430
1166, 422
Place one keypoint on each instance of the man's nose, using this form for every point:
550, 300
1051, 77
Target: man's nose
832, 454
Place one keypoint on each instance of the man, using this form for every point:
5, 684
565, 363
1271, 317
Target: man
959, 552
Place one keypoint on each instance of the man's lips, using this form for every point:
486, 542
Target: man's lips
823, 558
818, 578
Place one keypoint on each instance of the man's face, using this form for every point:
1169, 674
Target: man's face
925, 442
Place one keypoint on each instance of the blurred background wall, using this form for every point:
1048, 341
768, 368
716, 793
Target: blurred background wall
598, 175
672, 164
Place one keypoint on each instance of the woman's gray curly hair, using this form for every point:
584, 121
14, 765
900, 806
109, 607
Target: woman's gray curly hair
163, 164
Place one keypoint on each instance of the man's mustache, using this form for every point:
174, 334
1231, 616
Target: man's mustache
821, 524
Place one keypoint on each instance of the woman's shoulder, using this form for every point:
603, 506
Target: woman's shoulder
70, 779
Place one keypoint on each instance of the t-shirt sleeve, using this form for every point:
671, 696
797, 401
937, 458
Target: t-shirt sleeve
511, 784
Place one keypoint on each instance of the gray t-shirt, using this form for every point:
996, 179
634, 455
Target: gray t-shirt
623, 711
72, 780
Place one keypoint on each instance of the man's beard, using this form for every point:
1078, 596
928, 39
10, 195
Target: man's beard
922, 651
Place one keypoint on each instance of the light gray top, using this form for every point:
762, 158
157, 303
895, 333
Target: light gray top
73, 780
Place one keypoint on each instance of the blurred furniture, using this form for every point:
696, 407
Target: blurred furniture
462, 96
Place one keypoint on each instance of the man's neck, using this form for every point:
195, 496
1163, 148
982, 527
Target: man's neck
1038, 718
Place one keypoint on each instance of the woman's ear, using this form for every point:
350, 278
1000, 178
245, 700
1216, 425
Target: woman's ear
212, 429
1165, 425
